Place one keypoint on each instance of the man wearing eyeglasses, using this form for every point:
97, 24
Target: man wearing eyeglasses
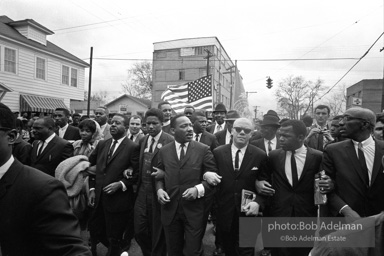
355, 165
239, 165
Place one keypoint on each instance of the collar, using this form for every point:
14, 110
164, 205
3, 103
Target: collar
119, 140
178, 145
167, 123
64, 127
47, 140
157, 137
5, 167
324, 128
300, 149
274, 140
365, 143
243, 149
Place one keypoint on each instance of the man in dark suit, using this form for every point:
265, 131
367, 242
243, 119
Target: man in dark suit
149, 232
65, 131
166, 108
238, 164
182, 190
35, 217
269, 127
101, 117
110, 191
199, 122
49, 150
355, 165
291, 173
218, 116
224, 137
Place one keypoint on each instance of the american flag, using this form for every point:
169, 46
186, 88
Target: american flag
197, 93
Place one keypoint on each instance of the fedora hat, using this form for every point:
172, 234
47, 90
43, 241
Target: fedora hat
271, 119
220, 108
232, 115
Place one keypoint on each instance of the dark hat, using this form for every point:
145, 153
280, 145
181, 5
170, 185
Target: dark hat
220, 108
232, 115
7, 118
271, 119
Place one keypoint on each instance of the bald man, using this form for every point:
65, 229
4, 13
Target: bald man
355, 166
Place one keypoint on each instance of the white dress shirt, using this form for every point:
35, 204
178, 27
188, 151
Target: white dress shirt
45, 143
149, 141
5, 167
63, 130
369, 153
300, 155
241, 154
198, 136
273, 144
227, 137
222, 126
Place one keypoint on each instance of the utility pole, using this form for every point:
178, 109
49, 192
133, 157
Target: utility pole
209, 55
256, 111
231, 93
90, 83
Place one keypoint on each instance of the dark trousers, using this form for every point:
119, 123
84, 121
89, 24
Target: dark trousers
159, 245
182, 237
230, 239
143, 223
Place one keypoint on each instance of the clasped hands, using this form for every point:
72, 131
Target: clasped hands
189, 194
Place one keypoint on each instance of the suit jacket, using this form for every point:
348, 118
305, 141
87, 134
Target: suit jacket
260, 144
54, 153
41, 221
22, 150
209, 140
167, 129
72, 133
109, 171
340, 162
292, 201
106, 133
220, 136
232, 183
138, 138
211, 128
181, 175
164, 139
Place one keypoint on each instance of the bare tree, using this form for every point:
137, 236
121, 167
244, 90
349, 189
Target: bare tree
101, 96
337, 101
139, 80
295, 95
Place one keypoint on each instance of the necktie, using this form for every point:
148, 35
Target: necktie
218, 128
363, 163
110, 152
321, 142
182, 154
295, 177
197, 137
237, 160
41, 147
151, 147
131, 137
269, 146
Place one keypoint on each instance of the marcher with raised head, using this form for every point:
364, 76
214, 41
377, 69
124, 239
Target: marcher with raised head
218, 116
238, 165
41, 222
111, 192
319, 134
355, 165
134, 132
291, 175
225, 136
65, 131
101, 116
166, 108
149, 231
182, 190
49, 150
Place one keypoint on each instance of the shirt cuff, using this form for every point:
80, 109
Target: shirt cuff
342, 209
124, 187
200, 190
91, 189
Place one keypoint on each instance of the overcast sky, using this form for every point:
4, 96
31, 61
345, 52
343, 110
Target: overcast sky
248, 30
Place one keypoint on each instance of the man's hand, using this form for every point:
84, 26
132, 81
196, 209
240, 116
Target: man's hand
162, 196
128, 173
349, 214
326, 184
158, 174
328, 135
264, 188
91, 198
252, 208
212, 178
313, 131
190, 194
112, 188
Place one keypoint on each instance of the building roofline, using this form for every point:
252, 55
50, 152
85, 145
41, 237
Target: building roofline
130, 97
32, 23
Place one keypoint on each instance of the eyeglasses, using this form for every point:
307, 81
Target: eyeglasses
350, 118
239, 129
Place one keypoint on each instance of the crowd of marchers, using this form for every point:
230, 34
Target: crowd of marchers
160, 178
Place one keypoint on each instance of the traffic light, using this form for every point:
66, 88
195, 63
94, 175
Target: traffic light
269, 83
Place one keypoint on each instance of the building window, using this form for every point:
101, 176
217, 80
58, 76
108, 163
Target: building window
73, 77
181, 74
65, 75
10, 60
40, 68
201, 50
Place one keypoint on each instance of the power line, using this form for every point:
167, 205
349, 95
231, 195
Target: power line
365, 54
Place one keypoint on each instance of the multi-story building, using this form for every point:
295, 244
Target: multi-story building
367, 93
35, 74
180, 61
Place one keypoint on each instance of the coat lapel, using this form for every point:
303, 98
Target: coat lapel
307, 163
48, 148
119, 149
350, 149
282, 157
247, 161
188, 154
377, 161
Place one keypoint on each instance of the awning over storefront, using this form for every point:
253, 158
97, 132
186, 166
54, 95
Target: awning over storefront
33, 103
